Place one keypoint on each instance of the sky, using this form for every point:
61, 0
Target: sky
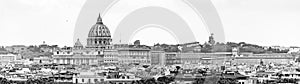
262, 22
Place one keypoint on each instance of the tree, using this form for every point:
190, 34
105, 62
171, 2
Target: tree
4, 81
178, 67
199, 81
252, 49
227, 81
165, 79
145, 66
220, 47
206, 48
202, 72
211, 80
150, 81
29, 81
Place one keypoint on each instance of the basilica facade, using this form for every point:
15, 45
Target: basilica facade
99, 50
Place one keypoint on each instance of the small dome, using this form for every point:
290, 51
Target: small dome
99, 29
78, 43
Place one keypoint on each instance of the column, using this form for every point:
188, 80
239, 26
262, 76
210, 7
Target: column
87, 61
84, 61
81, 61
76, 61
71, 61
91, 61
65, 61
61, 61
55, 61
68, 61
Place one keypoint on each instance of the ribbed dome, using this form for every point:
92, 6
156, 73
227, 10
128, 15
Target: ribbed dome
99, 29
99, 36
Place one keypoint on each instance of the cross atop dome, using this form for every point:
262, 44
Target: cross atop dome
99, 20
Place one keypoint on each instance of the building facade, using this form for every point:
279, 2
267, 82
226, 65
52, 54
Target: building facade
158, 58
16, 48
99, 50
134, 56
7, 58
172, 58
98, 42
111, 56
276, 58
204, 58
